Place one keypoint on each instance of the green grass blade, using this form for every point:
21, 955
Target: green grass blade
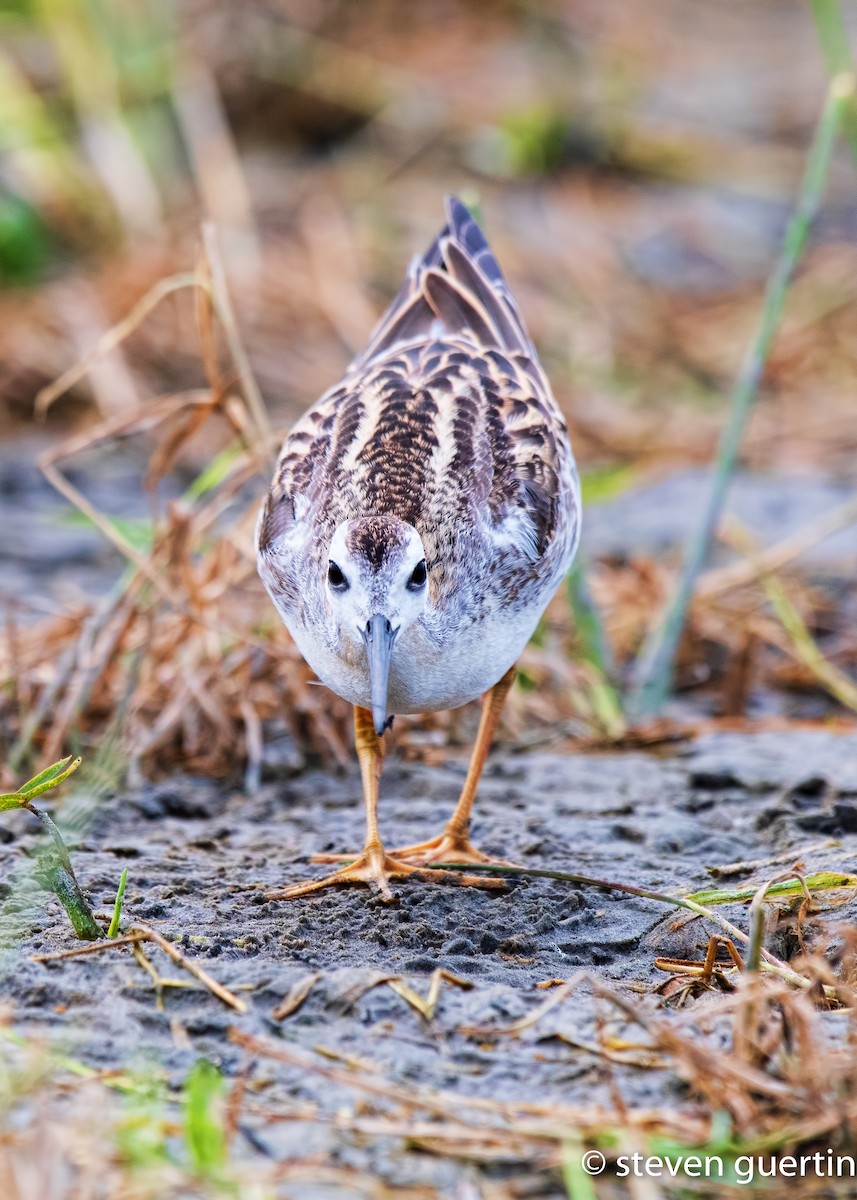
654, 668
578, 1181
587, 621
47, 780
136, 531
806, 649
214, 474
65, 887
833, 37
117, 907
205, 1135
48, 775
595, 652
601, 484
822, 881
56, 873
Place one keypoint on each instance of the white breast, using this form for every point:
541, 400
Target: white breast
425, 676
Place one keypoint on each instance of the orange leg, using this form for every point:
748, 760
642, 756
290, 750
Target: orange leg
454, 844
374, 866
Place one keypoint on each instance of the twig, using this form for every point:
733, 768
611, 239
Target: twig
426, 1005
63, 672
739, 574
753, 864
531, 1018
296, 995
112, 338
127, 939
437, 1101
249, 387
217, 989
142, 933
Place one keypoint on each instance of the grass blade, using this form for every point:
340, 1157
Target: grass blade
822, 881
57, 875
595, 652
50, 777
806, 649
577, 1180
117, 907
654, 668
55, 872
205, 1135
803, 645
833, 37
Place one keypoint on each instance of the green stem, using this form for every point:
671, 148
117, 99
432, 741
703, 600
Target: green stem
757, 930
117, 907
833, 38
654, 669
595, 652
57, 874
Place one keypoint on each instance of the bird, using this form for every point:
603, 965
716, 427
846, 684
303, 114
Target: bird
421, 516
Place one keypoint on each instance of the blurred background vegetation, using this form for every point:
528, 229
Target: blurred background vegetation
635, 166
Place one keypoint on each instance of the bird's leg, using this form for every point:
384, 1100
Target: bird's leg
454, 844
374, 866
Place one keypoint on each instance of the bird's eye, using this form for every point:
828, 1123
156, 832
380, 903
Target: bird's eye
335, 578
418, 576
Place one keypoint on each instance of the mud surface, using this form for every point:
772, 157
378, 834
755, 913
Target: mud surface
200, 858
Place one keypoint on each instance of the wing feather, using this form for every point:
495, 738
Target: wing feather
426, 307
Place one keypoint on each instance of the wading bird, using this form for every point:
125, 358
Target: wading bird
421, 516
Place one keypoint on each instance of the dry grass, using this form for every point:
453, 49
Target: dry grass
761, 1072
184, 658
185, 661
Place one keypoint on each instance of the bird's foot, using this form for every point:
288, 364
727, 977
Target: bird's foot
376, 868
447, 847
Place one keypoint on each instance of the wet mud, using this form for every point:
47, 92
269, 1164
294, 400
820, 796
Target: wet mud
201, 857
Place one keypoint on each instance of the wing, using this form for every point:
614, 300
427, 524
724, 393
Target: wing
456, 287
456, 293
534, 501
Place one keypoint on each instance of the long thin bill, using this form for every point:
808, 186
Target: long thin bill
379, 638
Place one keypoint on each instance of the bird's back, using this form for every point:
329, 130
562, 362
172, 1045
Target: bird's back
446, 421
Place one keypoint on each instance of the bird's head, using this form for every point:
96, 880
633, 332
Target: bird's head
376, 588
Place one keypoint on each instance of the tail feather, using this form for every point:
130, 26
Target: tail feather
458, 283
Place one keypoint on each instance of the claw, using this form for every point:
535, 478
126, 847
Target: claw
376, 868
445, 848
448, 848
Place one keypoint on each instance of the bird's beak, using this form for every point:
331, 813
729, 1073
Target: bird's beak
379, 636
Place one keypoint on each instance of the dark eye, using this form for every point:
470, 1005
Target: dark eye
418, 576
335, 578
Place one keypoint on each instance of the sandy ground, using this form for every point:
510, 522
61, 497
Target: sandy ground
200, 858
